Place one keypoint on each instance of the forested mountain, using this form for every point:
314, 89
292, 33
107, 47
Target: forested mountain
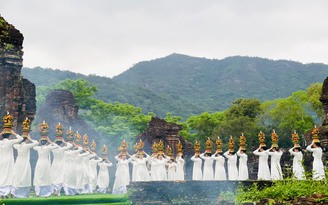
185, 85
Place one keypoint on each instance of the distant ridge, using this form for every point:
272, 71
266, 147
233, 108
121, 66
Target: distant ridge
186, 85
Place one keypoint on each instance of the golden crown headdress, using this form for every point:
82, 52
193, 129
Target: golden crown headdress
104, 152
77, 138
242, 142
261, 136
169, 151
231, 144
123, 148
44, 128
140, 146
26, 125
197, 148
160, 147
179, 148
7, 123
315, 134
296, 139
274, 138
69, 135
93, 146
218, 143
59, 132
208, 144
154, 148
85, 141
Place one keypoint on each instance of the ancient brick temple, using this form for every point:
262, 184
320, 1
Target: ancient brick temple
17, 94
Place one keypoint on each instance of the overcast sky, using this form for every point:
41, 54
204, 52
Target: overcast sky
106, 37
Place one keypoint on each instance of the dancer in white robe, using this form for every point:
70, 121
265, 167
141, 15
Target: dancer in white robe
42, 174
318, 168
153, 168
276, 172
180, 173
93, 172
103, 176
161, 161
7, 162
298, 170
87, 172
134, 168
263, 170
243, 168
122, 174
197, 173
23, 176
80, 171
171, 170
232, 165
70, 170
220, 172
58, 165
208, 173
141, 171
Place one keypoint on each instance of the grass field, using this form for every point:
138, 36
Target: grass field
86, 199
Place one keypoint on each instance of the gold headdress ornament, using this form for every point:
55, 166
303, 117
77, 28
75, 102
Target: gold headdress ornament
160, 147
69, 135
44, 128
242, 142
315, 134
179, 148
26, 127
209, 144
231, 144
154, 148
93, 146
197, 148
218, 143
140, 146
77, 138
261, 136
123, 148
274, 138
169, 151
7, 123
85, 141
104, 152
59, 132
296, 139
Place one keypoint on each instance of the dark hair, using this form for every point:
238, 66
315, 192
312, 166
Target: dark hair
43, 142
59, 143
318, 144
232, 153
264, 148
298, 148
208, 154
24, 139
276, 148
6, 135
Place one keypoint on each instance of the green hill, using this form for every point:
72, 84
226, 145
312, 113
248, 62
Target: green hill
186, 85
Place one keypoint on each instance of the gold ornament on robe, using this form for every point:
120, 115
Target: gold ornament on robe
179, 148
231, 144
315, 134
7, 123
104, 152
197, 148
59, 132
296, 139
208, 144
169, 151
69, 135
218, 143
261, 136
26, 125
123, 149
154, 148
242, 142
44, 128
93, 146
274, 139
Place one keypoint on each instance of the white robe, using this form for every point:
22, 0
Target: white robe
42, 174
232, 166
103, 176
58, 166
197, 173
171, 171
153, 169
87, 173
93, 173
141, 171
243, 169
180, 168
298, 170
263, 170
220, 172
318, 168
208, 173
80, 172
161, 174
276, 172
122, 176
7, 164
70, 171
23, 176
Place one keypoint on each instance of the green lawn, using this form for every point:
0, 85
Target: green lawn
86, 199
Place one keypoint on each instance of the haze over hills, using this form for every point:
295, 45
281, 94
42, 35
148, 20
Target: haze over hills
186, 85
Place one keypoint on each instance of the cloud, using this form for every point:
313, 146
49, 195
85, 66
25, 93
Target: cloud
106, 37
